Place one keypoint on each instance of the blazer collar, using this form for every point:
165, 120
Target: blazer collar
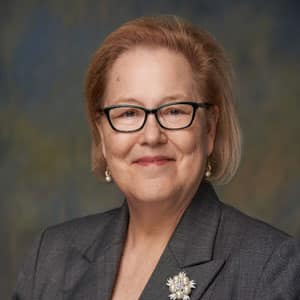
194, 237
191, 248
92, 271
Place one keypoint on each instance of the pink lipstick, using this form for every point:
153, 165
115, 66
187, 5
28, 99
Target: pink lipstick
153, 160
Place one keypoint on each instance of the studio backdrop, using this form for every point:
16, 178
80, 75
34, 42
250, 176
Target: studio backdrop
45, 48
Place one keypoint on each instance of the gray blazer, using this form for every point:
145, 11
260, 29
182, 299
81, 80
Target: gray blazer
228, 255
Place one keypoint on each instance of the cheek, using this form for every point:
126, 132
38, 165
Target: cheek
197, 151
193, 147
113, 144
195, 142
116, 146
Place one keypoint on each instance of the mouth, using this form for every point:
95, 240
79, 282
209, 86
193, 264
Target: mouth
153, 160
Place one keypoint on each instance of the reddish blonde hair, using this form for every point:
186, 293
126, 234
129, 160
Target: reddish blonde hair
212, 73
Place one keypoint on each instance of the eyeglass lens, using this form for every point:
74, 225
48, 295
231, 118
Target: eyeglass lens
127, 118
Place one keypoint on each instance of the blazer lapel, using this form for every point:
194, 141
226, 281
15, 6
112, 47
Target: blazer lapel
90, 274
190, 249
91, 271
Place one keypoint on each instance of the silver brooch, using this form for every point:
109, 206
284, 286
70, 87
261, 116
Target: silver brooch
180, 286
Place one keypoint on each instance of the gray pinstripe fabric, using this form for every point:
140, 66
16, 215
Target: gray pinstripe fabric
229, 255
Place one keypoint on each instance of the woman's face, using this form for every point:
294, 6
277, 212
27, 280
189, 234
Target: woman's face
155, 164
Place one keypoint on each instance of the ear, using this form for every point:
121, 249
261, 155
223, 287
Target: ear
102, 139
211, 126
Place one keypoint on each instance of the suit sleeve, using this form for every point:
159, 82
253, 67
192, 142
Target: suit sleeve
281, 273
26, 278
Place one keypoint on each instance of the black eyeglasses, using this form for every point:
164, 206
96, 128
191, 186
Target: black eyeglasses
171, 116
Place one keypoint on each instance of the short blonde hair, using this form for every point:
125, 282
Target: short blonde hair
212, 72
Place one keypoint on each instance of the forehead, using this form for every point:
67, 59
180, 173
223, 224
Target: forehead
149, 75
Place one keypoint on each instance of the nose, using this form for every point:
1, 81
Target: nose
152, 134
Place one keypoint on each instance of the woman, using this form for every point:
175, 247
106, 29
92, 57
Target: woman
159, 102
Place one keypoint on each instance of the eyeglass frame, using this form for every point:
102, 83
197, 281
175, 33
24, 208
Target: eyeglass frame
195, 105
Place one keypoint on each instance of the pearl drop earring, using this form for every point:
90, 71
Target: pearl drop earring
108, 178
208, 170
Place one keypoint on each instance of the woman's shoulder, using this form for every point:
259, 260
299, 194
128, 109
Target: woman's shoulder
86, 222
243, 233
262, 255
79, 231
54, 247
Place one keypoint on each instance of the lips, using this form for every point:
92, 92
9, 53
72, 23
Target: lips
153, 160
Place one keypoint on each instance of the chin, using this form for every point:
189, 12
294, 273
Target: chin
153, 198
154, 191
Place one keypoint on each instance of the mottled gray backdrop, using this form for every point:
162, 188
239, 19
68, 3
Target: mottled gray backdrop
45, 47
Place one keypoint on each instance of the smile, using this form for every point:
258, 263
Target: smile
153, 160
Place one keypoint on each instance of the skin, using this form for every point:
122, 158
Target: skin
157, 192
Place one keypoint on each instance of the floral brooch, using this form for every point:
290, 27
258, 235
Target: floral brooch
180, 286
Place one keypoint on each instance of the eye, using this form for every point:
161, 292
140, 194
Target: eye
126, 113
176, 110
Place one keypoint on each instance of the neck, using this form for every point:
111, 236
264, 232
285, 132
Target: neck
153, 223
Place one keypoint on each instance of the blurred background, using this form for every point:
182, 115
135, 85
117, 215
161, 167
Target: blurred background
45, 47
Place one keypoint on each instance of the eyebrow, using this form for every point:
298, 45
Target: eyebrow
163, 100
176, 97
